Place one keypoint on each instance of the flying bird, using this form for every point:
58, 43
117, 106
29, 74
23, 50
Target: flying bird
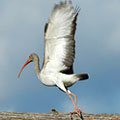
59, 52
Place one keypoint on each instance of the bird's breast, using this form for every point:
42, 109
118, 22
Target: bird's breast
47, 78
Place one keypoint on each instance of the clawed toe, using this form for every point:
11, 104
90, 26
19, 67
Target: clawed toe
77, 111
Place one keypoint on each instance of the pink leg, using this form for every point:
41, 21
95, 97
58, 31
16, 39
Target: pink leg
69, 95
76, 109
75, 96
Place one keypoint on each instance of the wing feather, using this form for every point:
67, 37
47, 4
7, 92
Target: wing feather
59, 37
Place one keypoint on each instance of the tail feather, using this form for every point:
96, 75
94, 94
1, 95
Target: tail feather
82, 76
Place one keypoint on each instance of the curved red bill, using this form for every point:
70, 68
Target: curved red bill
27, 62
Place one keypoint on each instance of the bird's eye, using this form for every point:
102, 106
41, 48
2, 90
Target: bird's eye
30, 57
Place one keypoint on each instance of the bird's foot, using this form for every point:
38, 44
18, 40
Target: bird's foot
77, 111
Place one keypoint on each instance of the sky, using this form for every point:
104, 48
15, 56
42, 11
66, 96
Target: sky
97, 53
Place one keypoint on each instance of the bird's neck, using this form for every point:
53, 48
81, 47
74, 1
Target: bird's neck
37, 67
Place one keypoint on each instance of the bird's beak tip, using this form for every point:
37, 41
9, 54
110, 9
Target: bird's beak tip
18, 76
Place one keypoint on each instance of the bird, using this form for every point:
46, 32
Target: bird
59, 52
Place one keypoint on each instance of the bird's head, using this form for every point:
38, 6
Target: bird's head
33, 57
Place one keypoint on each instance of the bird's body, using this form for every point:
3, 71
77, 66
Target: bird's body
59, 51
52, 78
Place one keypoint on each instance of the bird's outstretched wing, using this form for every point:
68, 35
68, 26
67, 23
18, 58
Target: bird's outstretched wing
59, 37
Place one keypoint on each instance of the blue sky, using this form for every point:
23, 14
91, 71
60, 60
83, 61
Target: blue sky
97, 53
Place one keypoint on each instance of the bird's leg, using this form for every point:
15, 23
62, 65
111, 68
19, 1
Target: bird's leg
70, 97
76, 109
75, 96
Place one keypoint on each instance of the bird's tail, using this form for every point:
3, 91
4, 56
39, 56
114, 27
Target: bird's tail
82, 76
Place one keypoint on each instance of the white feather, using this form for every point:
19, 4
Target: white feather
59, 47
59, 38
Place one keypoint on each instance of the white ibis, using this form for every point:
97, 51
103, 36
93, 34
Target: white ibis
59, 52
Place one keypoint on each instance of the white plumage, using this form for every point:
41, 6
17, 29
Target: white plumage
59, 37
59, 53
59, 47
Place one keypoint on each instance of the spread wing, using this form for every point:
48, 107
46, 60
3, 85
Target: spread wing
59, 51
